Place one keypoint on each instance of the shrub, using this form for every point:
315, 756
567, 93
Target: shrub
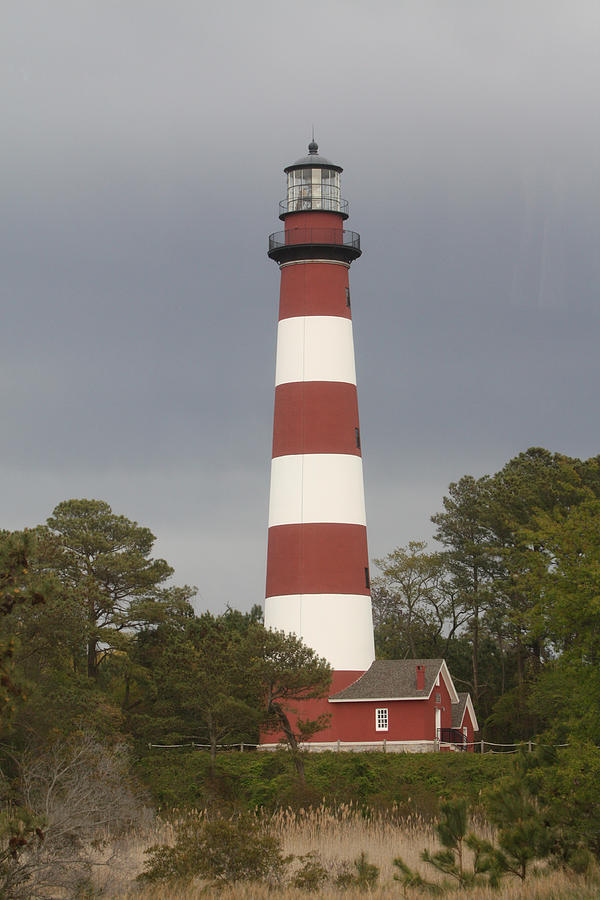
364, 876
222, 851
70, 795
312, 875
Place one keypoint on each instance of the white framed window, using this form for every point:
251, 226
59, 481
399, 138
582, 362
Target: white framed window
381, 719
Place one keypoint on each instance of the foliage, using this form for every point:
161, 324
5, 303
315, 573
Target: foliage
402, 784
516, 586
19, 588
103, 561
564, 696
223, 851
362, 874
452, 832
413, 601
287, 671
311, 874
528, 824
568, 790
204, 672
65, 796
20, 831
513, 807
411, 879
464, 530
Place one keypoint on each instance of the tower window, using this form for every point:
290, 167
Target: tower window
357, 435
381, 719
367, 579
348, 297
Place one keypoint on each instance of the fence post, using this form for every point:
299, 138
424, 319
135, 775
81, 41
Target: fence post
482, 749
242, 747
338, 746
529, 747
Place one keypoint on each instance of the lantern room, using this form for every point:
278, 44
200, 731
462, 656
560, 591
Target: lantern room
313, 183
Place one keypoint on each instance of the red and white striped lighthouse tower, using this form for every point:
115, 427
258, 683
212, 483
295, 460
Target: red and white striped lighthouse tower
317, 561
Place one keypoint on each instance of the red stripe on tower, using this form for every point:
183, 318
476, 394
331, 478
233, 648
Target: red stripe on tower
317, 559
316, 417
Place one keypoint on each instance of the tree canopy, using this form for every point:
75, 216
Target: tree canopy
515, 585
103, 561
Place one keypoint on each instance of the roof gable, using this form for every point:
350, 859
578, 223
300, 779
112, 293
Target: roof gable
396, 679
459, 709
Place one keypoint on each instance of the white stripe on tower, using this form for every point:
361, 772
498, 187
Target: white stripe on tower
317, 560
315, 348
329, 623
317, 487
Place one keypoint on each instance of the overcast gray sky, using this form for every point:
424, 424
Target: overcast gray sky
141, 160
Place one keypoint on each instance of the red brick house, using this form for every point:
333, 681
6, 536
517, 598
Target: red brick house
397, 705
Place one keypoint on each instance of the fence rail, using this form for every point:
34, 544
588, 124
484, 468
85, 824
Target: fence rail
240, 747
478, 746
304, 204
314, 236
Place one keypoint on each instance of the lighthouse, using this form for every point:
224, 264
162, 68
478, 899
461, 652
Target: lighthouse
318, 583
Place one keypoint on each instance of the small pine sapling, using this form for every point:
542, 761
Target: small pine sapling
512, 806
411, 879
451, 830
364, 876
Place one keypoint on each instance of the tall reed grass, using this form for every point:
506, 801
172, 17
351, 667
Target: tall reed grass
336, 836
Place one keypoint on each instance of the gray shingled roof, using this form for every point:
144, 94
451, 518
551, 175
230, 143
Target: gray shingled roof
458, 710
392, 679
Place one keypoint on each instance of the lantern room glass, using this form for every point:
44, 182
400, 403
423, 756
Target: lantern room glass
313, 189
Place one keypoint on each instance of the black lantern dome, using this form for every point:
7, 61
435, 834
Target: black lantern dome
314, 160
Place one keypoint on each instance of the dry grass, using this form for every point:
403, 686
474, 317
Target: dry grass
335, 838
554, 887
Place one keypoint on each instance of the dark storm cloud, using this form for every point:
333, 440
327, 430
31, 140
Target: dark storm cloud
141, 167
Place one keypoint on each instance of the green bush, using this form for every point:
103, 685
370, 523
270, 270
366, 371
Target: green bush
410, 783
362, 874
223, 851
312, 875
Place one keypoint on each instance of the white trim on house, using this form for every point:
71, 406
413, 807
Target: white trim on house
449, 683
377, 699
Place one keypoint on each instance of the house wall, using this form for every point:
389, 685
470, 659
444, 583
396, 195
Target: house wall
470, 730
312, 709
354, 721
408, 720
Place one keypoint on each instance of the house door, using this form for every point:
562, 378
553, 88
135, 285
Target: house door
438, 723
